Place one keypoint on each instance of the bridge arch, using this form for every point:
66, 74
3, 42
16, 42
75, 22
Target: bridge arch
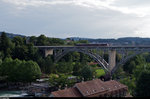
85, 50
124, 60
97, 58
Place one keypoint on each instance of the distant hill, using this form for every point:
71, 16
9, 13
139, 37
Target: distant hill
11, 35
78, 38
119, 41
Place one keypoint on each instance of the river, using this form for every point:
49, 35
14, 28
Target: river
12, 94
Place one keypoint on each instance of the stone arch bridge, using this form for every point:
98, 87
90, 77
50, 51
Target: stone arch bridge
111, 66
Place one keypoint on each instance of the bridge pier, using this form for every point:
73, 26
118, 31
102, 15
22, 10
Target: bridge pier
48, 52
112, 59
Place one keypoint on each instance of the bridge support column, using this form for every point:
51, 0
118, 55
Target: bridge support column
112, 59
48, 52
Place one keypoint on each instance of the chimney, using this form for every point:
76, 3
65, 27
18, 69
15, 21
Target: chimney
93, 77
82, 79
59, 87
65, 86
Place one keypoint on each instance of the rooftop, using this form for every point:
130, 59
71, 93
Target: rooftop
90, 88
70, 92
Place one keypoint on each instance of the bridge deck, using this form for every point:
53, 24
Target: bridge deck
143, 47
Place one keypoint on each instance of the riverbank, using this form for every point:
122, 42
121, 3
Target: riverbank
34, 89
14, 93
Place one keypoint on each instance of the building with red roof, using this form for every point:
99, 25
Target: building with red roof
94, 88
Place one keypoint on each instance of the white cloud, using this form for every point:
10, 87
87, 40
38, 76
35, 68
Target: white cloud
86, 18
144, 29
94, 4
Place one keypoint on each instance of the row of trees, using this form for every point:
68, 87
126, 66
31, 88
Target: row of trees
17, 48
19, 71
43, 40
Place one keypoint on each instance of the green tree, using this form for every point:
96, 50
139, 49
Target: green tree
62, 80
21, 52
76, 56
140, 68
18, 41
53, 80
33, 40
67, 58
77, 68
14, 66
41, 40
55, 41
131, 67
64, 67
84, 58
86, 72
17, 70
6, 45
1, 55
132, 63
32, 52
30, 71
49, 66
130, 82
5, 67
59, 80
140, 60
142, 85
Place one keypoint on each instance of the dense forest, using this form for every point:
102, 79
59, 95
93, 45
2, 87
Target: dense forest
18, 56
20, 61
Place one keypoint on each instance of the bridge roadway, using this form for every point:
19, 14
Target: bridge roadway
137, 47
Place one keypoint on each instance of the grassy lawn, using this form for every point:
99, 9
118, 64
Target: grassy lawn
99, 72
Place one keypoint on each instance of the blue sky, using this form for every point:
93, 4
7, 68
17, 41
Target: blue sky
76, 18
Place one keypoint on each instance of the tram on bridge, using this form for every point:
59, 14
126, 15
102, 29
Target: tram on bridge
98, 44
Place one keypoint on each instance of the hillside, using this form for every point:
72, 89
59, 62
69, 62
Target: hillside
122, 41
11, 35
